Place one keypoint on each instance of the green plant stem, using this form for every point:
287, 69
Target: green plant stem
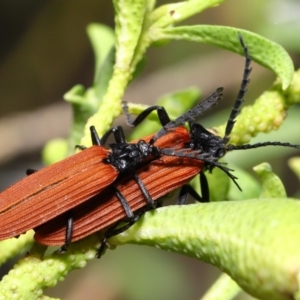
256, 242
224, 288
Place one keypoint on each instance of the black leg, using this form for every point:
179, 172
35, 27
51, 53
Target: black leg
161, 113
124, 203
80, 147
144, 190
204, 188
30, 171
69, 232
114, 230
118, 133
96, 141
184, 192
188, 189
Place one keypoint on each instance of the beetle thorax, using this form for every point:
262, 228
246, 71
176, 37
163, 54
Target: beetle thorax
127, 156
205, 141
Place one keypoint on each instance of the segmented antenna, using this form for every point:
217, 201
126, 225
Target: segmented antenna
127, 114
188, 154
258, 145
227, 172
211, 161
193, 113
243, 89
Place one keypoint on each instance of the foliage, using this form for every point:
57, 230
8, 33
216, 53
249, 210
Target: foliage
230, 235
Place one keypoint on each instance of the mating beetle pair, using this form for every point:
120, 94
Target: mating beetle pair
95, 188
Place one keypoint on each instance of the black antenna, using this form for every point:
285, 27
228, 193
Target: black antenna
258, 145
227, 172
206, 157
236, 110
125, 107
197, 110
243, 89
193, 113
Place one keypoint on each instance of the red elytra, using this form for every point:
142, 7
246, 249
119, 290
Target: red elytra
53, 190
160, 177
95, 215
62, 186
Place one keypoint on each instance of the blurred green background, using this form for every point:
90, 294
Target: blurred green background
45, 51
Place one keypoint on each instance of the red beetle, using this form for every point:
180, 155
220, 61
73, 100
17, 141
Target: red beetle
160, 176
58, 188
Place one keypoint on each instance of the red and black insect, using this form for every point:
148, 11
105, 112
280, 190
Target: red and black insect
160, 176
58, 188
201, 139
209, 148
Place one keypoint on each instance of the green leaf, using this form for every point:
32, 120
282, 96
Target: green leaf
294, 164
272, 186
54, 151
256, 242
11, 247
173, 13
175, 104
292, 93
84, 104
261, 50
103, 39
224, 288
104, 76
103, 42
139, 68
